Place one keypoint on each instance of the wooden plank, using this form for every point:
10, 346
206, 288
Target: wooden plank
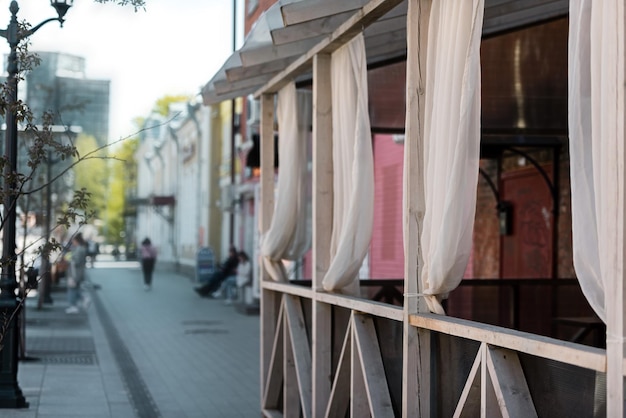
471, 385
289, 289
391, 50
339, 399
301, 351
322, 230
416, 343
356, 304
371, 366
272, 67
272, 52
210, 96
359, 404
509, 383
379, 309
322, 167
310, 29
291, 399
226, 86
484, 384
273, 379
305, 11
615, 290
269, 300
384, 39
348, 30
489, 402
383, 26
523, 342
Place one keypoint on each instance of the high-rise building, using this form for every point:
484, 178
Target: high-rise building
59, 85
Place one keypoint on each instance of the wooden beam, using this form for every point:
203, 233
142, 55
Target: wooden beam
380, 309
339, 399
270, 301
359, 405
416, 343
344, 33
523, 342
272, 67
371, 366
385, 38
322, 229
509, 383
272, 52
472, 386
309, 29
301, 352
291, 400
385, 25
210, 96
272, 386
306, 11
615, 289
225, 86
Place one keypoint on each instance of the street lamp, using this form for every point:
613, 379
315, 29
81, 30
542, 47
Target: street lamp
10, 392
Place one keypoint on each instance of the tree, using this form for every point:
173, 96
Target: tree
162, 105
122, 184
92, 174
137, 4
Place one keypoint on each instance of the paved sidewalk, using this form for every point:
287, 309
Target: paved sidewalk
135, 353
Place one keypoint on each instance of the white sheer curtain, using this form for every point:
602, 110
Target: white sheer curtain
353, 164
288, 237
451, 143
594, 143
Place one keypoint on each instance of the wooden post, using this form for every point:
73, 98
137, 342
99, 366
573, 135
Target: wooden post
615, 289
416, 343
322, 229
269, 299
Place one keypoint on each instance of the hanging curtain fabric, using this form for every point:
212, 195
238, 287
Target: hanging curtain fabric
594, 144
353, 165
288, 237
451, 144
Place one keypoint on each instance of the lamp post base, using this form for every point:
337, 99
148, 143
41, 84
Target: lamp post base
10, 393
12, 398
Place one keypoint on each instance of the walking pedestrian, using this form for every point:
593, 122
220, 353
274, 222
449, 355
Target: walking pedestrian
78, 261
148, 259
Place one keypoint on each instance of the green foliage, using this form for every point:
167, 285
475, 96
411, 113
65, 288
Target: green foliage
162, 105
137, 4
122, 183
92, 173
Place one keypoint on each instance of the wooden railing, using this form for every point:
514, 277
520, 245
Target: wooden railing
366, 340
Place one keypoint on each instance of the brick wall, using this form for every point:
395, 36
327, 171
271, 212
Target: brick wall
387, 249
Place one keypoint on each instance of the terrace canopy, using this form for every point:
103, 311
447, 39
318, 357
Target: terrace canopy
294, 40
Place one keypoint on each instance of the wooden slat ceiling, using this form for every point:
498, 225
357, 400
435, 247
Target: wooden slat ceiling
290, 28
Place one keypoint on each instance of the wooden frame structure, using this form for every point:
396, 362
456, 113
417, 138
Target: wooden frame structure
302, 372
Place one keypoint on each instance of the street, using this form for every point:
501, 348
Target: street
163, 352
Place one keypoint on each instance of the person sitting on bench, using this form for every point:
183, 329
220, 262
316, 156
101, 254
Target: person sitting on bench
226, 270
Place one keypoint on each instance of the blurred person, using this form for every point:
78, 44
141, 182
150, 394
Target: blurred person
77, 266
213, 288
93, 249
237, 283
148, 256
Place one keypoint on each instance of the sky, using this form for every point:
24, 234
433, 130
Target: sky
173, 47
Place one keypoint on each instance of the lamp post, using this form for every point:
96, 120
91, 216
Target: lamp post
10, 392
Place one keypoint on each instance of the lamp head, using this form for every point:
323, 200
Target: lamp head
61, 6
